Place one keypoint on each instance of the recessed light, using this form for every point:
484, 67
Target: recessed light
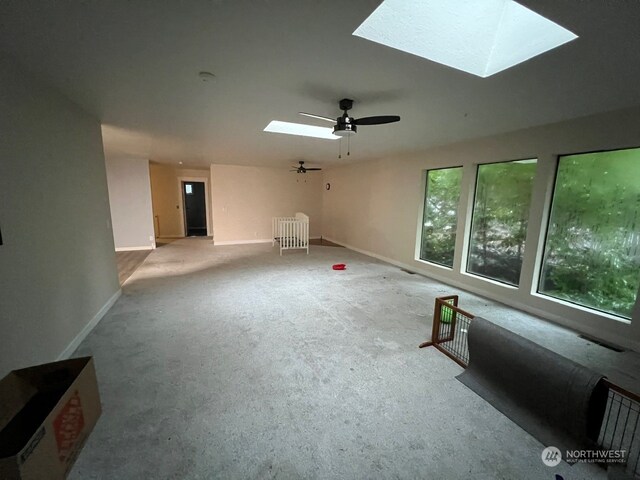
180, 163
276, 126
478, 37
207, 77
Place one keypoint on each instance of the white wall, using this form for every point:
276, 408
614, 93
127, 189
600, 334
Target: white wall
377, 209
130, 202
57, 265
246, 198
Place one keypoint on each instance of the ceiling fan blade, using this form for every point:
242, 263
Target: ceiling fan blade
379, 120
309, 169
319, 117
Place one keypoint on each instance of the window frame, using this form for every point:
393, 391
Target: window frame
544, 234
423, 211
468, 234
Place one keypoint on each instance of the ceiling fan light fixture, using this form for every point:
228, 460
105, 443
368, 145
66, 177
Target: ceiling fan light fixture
344, 132
344, 127
302, 169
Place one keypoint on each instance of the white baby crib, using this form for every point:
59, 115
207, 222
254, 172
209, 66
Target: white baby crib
291, 232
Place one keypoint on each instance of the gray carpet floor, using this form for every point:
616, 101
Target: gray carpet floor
233, 362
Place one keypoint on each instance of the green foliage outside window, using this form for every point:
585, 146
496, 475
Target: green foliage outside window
441, 215
500, 217
592, 252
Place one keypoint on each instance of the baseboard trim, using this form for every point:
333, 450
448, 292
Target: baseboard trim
133, 249
375, 255
75, 343
242, 242
247, 242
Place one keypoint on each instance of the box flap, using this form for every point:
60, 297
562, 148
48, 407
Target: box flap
53, 376
34, 392
14, 394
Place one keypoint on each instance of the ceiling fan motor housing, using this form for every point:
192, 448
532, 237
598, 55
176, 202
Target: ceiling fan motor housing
345, 104
344, 127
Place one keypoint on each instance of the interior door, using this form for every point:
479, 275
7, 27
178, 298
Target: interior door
195, 212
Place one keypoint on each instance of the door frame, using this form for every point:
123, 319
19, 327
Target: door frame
204, 180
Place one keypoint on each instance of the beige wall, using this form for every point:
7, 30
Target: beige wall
130, 203
377, 209
371, 206
167, 198
246, 198
57, 265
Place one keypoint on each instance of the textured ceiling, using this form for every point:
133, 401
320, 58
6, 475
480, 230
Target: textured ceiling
135, 64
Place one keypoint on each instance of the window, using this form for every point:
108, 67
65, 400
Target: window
499, 222
440, 215
188, 189
592, 250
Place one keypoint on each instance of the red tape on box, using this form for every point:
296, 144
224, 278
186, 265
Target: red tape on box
67, 427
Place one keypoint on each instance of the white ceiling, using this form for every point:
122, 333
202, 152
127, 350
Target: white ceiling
135, 64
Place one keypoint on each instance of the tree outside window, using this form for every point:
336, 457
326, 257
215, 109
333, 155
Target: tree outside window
500, 217
441, 215
592, 250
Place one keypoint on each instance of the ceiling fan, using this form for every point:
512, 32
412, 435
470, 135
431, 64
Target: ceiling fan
345, 125
302, 168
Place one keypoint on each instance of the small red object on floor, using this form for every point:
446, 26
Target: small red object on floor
339, 266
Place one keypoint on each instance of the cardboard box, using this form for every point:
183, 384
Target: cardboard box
46, 414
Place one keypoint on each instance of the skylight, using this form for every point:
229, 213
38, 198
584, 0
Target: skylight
478, 37
276, 126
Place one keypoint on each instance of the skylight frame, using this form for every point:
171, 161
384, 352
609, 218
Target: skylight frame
479, 37
300, 129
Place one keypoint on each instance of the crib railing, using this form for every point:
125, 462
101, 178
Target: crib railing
275, 227
620, 428
291, 232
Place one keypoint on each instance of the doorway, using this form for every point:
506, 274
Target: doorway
195, 212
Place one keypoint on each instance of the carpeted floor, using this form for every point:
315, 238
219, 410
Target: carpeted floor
233, 362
